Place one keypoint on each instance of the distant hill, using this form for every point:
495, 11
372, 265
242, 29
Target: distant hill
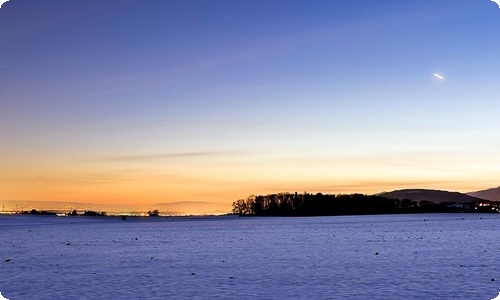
492, 194
193, 208
435, 196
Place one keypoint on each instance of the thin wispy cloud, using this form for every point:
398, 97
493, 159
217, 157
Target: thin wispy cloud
194, 154
127, 127
110, 83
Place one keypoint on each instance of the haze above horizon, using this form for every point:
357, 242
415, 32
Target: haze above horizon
136, 103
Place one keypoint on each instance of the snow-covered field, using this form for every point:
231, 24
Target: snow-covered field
447, 256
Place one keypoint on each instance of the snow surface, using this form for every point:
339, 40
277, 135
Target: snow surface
437, 256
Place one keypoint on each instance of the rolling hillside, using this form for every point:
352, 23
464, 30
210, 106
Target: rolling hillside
435, 196
492, 194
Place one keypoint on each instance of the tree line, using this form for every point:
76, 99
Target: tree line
307, 204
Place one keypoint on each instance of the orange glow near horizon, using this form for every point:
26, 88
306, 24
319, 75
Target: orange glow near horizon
221, 184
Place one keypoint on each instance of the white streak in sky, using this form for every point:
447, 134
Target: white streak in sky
2, 2
497, 2
439, 76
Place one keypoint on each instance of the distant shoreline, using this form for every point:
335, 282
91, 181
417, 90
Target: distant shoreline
132, 216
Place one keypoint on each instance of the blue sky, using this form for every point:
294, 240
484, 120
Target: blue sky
158, 101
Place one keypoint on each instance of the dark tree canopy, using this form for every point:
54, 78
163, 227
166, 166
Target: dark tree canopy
306, 204
154, 213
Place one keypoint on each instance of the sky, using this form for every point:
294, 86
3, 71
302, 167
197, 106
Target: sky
126, 102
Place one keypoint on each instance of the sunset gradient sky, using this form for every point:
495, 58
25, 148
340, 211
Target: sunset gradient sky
143, 102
